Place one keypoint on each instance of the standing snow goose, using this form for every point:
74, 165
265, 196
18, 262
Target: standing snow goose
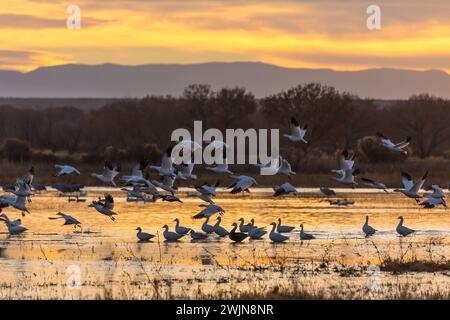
394, 147
207, 228
12, 229
105, 207
402, 230
348, 178
108, 175
143, 236
68, 220
374, 184
166, 168
185, 171
236, 236
208, 189
297, 133
346, 162
275, 236
242, 183
285, 168
244, 227
283, 229
411, 189
180, 229
285, 189
197, 235
66, 170
256, 233
368, 230
171, 236
218, 229
304, 235
209, 210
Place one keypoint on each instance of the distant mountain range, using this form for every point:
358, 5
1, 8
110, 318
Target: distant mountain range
117, 81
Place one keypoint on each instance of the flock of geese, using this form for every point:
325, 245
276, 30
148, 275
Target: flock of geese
139, 188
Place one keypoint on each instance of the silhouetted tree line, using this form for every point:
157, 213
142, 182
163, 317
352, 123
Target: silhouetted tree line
131, 129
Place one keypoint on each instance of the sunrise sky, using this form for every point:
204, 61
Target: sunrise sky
415, 34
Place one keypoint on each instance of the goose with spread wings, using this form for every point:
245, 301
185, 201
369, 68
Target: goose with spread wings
297, 132
394, 147
411, 189
105, 206
108, 175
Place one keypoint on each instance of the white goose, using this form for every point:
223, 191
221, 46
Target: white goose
297, 133
166, 183
348, 178
411, 189
276, 237
220, 168
374, 184
166, 168
346, 162
394, 147
257, 233
219, 230
185, 171
283, 229
207, 228
433, 202
171, 236
204, 197
143, 236
209, 210
108, 175
105, 207
208, 189
368, 230
438, 192
285, 168
180, 229
304, 235
197, 235
285, 189
12, 229
68, 220
17, 202
244, 227
65, 170
137, 174
402, 230
242, 183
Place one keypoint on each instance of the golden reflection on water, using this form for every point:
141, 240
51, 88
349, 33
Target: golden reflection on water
107, 251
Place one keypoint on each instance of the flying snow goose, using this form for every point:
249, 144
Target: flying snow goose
108, 175
283, 229
438, 192
17, 202
207, 228
368, 230
28, 178
285, 168
166, 168
242, 183
208, 189
171, 236
346, 162
402, 230
411, 189
284, 189
218, 229
304, 235
204, 197
220, 167
12, 229
66, 170
197, 235
275, 236
209, 210
105, 206
180, 229
137, 174
394, 147
68, 220
297, 133
348, 178
170, 198
237, 236
143, 236
430, 203
185, 171
374, 184
166, 184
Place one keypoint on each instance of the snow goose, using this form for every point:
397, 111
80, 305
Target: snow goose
368, 230
285, 168
137, 174
433, 202
218, 229
204, 197
327, 191
197, 235
17, 202
244, 227
438, 192
105, 206
348, 178
297, 133
411, 189
166, 184
304, 235
346, 162
66, 170
242, 183
185, 171
12, 229
207, 228
208, 189
283, 229
285, 189
209, 210
108, 175
374, 184
220, 168
402, 230
166, 167
143, 236
275, 236
394, 147
68, 220
180, 229
236, 236
170, 198
256, 233
171, 236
